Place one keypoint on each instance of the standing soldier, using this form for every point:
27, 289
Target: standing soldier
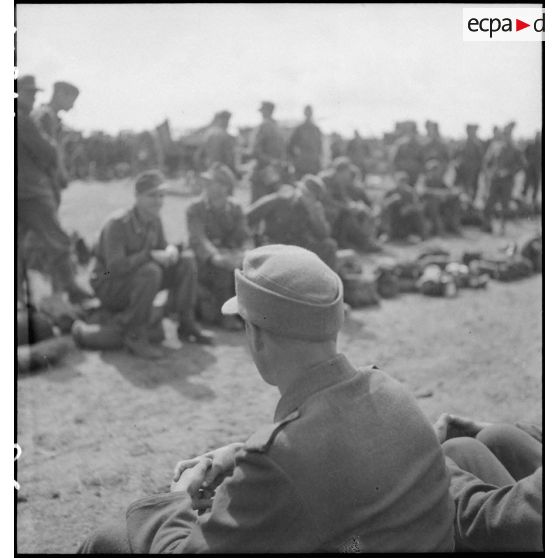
305, 146
135, 262
37, 199
296, 216
270, 151
48, 120
358, 152
218, 236
503, 161
533, 158
408, 155
435, 147
218, 145
469, 162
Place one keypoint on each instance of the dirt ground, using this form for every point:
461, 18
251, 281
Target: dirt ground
103, 429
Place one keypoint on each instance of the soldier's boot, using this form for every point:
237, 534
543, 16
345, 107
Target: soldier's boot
140, 346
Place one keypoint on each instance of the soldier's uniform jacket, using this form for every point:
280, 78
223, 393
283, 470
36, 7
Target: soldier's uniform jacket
497, 519
305, 147
125, 243
218, 147
268, 144
36, 161
351, 464
210, 230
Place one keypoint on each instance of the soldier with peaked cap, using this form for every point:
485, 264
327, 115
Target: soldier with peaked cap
135, 262
37, 200
269, 149
219, 146
47, 118
469, 162
305, 146
218, 235
350, 463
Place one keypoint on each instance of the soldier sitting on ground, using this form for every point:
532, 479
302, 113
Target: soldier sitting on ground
402, 214
218, 236
496, 483
347, 208
295, 215
135, 262
442, 208
351, 464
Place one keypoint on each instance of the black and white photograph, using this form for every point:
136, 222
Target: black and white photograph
278, 276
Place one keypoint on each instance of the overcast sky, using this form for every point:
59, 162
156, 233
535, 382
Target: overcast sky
361, 66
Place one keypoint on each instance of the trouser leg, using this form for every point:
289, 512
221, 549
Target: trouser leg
132, 296
110, 539
41, 217
520, 453
182, 280
473, 456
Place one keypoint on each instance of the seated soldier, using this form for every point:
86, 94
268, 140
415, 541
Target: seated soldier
402, 214
351, 463
496, 483
295, 215
135, 262
442, 207
347, 208
218, 236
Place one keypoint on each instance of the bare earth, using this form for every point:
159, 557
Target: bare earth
104, 429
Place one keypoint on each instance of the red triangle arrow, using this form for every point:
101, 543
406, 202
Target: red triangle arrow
519, 25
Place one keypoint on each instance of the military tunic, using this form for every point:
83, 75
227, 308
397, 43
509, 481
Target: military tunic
351, 464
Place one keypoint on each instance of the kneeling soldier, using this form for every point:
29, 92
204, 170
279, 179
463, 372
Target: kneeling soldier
350, 464
135, 262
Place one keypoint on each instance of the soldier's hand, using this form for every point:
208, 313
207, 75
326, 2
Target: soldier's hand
191, 478
161, 257
172, 252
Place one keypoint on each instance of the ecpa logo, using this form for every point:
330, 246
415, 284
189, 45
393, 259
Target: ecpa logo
503, 24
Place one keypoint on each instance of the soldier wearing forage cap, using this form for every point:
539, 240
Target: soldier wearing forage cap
269, 148
469, 162
305, 146
502, 161
408, 154
47, 118
295, 215
135, 262
218, 236
219, 145
350, 463
37, 201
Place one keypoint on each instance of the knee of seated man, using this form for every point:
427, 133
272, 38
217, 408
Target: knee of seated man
462, 447
110, 539
150, 272
499, 435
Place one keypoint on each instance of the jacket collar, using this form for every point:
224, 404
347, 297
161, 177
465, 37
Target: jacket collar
313, 380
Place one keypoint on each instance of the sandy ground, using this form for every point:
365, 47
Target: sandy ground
104, 429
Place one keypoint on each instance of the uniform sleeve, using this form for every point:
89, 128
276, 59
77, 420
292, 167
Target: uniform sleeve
261, 208
317, 221
489, 518
255, 510
39, 148
199, 242
117, 261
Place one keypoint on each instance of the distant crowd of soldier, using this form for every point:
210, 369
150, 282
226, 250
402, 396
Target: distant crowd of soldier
294, 201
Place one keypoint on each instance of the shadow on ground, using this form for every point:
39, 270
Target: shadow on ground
175, 370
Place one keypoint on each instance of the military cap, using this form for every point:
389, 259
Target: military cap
267, 106
223, 115
472, 127
150, 181
341, 163
66, 87
27, 83
220, 173
288, 291
509, 126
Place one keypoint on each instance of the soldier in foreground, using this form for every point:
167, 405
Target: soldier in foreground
218, 236
496, 483
135, 262
350, 464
